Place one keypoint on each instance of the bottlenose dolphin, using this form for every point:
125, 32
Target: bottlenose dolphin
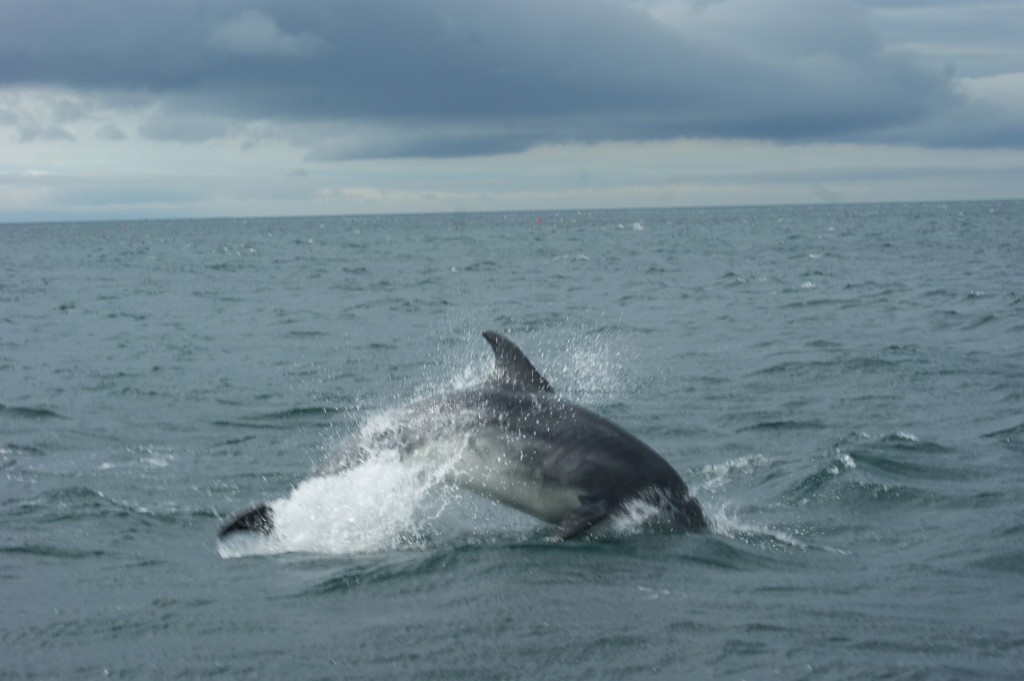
513, 440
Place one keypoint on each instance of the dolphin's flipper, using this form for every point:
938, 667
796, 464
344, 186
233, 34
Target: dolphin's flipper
512, 370
580, 520
259, 519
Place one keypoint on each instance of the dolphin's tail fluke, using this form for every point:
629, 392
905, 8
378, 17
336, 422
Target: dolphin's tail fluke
259, 519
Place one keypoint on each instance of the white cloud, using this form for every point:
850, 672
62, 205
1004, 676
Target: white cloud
254, 34
1005, 91
975, 38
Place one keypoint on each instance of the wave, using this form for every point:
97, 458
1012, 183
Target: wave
29, 412
284, 419
76, 504
1011, 561
892, 468
783, 424
791, 503
51, 551
381, 568
1010, 433
805, 368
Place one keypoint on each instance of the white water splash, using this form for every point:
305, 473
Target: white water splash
368, 499
717, 476
382, 504
636, 516
727, 523
372, 507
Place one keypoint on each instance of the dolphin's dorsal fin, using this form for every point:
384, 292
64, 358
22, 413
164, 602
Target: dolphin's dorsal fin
512, 369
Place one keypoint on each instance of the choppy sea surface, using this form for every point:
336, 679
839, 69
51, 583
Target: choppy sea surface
842, 387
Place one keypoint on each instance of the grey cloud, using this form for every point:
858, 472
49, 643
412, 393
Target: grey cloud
58, 110
66, 110
183, 127
46, 133
42, 124
491, 76
110, 133
419, 143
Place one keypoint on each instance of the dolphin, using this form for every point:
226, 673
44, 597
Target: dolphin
513, 440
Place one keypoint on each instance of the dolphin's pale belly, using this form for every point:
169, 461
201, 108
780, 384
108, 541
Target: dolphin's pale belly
486, 461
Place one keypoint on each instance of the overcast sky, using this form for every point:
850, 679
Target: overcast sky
122, 109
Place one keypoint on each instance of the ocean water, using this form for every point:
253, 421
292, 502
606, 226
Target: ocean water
842, 387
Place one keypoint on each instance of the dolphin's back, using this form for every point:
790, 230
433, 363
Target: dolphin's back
587, 449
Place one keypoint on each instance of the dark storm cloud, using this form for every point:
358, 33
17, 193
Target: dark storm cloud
464, 77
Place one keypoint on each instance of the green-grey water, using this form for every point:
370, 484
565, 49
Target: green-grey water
842, 387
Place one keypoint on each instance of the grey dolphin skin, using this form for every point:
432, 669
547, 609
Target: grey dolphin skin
513, 440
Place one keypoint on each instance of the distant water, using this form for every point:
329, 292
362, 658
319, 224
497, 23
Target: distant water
841, 386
